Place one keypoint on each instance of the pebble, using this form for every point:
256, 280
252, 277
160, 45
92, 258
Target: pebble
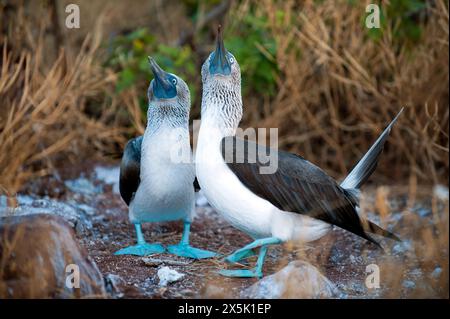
436, 272
441, 192
409, 284
168, 275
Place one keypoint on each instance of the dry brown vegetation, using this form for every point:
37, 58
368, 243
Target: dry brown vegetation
337, 90
45, 119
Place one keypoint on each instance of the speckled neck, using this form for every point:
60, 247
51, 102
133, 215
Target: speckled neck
222, 105
171, 115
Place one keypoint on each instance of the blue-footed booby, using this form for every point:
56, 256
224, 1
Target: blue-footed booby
298, 202
157, 173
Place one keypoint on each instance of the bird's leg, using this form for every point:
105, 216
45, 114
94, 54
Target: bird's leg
248, 251
183, 248
142, 248
243, 252
249, 273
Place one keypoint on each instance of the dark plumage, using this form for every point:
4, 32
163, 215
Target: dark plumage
298, 186
130, 169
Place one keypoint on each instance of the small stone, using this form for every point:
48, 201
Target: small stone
409, 284
167, 275
436, 272
441, 192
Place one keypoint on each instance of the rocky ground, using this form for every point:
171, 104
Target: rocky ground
335, 266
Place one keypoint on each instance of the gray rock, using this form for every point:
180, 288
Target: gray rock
82, 186
298, 279
30, 206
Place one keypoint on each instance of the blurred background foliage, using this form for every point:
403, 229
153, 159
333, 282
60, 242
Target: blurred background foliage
310, 68
249, 40
128, 56
406, 18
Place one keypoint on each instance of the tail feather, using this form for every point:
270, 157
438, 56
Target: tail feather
359, 175
377, 230
365, 167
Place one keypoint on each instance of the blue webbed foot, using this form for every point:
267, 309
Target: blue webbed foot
143, 249
185, 250
247, 251
239, 255
242, 273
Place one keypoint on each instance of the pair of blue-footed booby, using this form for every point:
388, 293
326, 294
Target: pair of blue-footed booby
157, 173
299, 202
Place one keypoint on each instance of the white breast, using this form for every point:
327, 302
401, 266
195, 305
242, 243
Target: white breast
237, 204
167, 174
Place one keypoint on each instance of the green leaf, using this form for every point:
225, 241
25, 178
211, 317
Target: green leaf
126, 79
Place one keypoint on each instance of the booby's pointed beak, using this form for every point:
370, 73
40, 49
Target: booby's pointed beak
163, 88
219, 63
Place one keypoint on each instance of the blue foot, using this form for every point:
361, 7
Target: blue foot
185, 250
246, 252
141, 249
242, 273
239, 255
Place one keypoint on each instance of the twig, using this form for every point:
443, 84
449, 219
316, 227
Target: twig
154, 262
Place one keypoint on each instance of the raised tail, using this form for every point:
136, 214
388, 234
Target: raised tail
362, 171
366, 166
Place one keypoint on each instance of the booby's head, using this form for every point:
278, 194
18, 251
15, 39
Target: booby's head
221, 65
167, 90
221, 78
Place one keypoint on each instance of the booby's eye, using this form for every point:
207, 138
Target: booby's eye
174, 81
231, 59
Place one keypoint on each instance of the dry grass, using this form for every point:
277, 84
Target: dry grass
338, 89
44, 114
